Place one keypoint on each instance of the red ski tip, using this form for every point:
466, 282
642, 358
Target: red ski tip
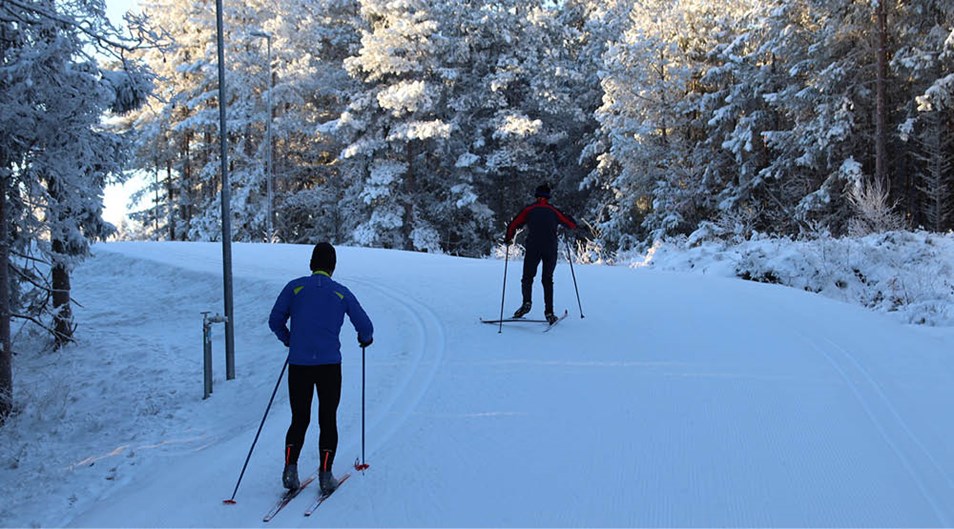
228, 502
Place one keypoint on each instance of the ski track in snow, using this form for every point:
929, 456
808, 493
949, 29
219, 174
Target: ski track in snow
428, 352
919, 462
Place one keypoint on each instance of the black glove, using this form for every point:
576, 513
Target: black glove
365, 343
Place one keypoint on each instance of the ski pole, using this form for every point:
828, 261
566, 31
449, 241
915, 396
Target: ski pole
569, 257
504, 293
231, 501
363, 466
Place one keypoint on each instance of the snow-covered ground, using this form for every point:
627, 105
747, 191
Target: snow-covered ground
681, 399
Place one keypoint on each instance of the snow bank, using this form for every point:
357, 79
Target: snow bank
905, 274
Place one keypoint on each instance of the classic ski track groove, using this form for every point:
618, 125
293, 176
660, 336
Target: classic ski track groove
916, 459
385, 421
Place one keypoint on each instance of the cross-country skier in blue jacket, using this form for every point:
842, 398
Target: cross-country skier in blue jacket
316, 305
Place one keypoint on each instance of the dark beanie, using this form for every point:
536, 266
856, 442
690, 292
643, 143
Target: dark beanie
323, 258
543, 191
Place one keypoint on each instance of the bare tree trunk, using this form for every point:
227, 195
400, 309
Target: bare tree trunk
155, 210
62, 311
6, 345
881, 80
170, 199
409, 185
189, 189
935, 167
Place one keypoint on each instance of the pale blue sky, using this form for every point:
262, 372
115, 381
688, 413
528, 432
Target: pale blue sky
115, 9
116, 198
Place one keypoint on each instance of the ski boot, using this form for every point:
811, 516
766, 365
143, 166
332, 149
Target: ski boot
523, 310
551, 317
290, 477
327, 481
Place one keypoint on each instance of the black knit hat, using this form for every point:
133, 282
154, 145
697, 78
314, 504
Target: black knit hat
323, 258
543, 191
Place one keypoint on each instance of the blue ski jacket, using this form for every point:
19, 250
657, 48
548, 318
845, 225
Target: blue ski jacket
316, 305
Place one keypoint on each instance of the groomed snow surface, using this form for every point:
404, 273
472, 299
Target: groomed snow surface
681, 399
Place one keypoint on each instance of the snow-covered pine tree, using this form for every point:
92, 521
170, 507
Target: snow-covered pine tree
56, 155
546, 81
248, 115
476, 33
175, 131
775, 119
315, 199
309, 40
397, 122
495, 86
740, 73
601, 23
922, 60
935, 180
178, 132
655, 118
631, 134
825, 99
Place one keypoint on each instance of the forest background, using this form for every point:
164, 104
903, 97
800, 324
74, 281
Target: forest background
426, 125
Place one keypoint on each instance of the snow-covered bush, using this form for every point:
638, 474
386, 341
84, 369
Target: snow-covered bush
908, 274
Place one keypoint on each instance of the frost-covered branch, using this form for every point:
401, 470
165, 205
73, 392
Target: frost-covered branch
103, 35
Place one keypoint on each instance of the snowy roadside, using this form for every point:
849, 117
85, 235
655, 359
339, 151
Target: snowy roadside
99, 413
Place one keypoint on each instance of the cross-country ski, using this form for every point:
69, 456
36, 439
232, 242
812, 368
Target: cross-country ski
548, 323
324, 496
514, 320
556, 321
287, 497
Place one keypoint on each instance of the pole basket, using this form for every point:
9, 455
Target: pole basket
360, 467
229, 502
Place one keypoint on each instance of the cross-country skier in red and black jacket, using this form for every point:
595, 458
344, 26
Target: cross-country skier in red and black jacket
542, 220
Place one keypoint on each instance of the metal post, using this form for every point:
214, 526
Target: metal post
157, 190
268, 151
226, 199
207, 322
206, 355
269, 230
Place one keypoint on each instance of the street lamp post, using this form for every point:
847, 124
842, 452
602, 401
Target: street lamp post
268, 134
226, 200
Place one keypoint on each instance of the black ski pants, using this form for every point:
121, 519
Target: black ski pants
302, 383
534, 255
